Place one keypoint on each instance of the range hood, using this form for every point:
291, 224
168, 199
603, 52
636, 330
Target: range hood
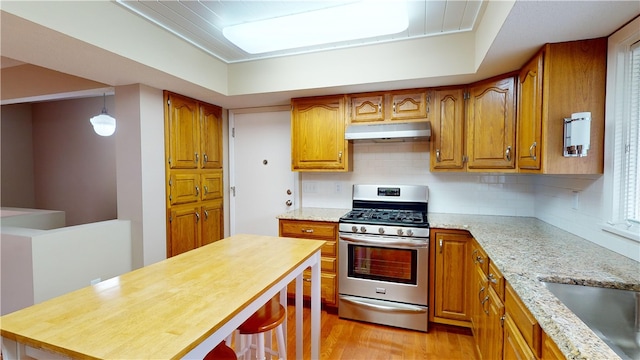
389, 132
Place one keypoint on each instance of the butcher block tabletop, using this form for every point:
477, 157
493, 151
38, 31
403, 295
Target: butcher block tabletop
163, 310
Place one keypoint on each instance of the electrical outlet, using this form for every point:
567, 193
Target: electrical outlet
338, 188
576, 200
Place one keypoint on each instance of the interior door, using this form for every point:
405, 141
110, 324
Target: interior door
260, 171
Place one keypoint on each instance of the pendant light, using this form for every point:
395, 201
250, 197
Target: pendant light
103, 123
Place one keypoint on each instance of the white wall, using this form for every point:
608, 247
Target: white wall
16, 183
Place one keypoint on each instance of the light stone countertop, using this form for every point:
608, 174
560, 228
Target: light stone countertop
528, 251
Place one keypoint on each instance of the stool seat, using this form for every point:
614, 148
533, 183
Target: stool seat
268, 317
221, 352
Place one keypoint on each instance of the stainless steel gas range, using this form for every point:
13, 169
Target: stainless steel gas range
384, 254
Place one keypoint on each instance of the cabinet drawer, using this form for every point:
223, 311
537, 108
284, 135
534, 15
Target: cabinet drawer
496, 280
524, 321
328, 286
515, 346
480, 258
328, 265
309, 230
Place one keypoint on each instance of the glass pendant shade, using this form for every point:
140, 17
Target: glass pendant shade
104, 124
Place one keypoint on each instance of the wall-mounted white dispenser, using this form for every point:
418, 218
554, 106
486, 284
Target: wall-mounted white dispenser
577, 134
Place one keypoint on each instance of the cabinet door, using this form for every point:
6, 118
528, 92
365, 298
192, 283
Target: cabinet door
317, 134
530, 114
452, 276
211, 183
406, 105
211, 136
183, 131
494, 311
479, 296
212, 220
491, 125
447, 130
367, 107
184, 230
183, 188
515, 347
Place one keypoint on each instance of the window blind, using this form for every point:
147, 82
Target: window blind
631, 194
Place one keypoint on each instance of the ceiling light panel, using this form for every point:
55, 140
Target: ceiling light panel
201, 22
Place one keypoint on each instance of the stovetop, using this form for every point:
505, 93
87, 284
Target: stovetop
386, 217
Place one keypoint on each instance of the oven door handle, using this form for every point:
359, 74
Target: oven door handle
396, 308
372, 241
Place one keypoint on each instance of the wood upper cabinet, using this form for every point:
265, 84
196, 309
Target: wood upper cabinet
369, 107
211, 136
530, 113
403, 105
450, 276
193, 150
183, 132
561, 79
491, 125
408, 104
447, 130
317, 134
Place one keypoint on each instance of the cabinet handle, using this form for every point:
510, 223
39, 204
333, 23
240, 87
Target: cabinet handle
473, 255
440, 246
532, 153
340, 156
508, 153
197, 157
205, 158
197, 190
394, 107
438, 159
379, 107
206, 214
206, 189
308, 231
479, 259
493, 279
306, 279
197, 216
484, 301
480, 292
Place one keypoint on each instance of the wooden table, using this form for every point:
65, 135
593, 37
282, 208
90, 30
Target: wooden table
181, 307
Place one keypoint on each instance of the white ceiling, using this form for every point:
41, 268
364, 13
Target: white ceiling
528, 26
201, 22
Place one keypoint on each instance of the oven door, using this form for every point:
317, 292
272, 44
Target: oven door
384, 267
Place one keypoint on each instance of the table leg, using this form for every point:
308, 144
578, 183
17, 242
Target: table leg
315, 308
299, 331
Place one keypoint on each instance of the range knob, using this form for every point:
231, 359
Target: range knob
354, 228
400, 232
363, 229
381, 230
409, 232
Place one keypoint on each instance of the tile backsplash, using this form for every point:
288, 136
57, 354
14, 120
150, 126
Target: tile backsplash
408, 163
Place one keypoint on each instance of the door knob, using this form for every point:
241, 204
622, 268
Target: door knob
289, 203
288, 191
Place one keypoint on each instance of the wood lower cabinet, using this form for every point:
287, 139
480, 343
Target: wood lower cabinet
561, 79
487, 306
317, 230
193, 154
524, 333
450, 274
317, 134
550, 350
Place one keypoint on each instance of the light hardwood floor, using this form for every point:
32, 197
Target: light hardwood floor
347, 339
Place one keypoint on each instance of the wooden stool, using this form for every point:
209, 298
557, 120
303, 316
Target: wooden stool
268, 317
221, 352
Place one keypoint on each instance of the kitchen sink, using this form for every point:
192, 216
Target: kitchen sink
612, 314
